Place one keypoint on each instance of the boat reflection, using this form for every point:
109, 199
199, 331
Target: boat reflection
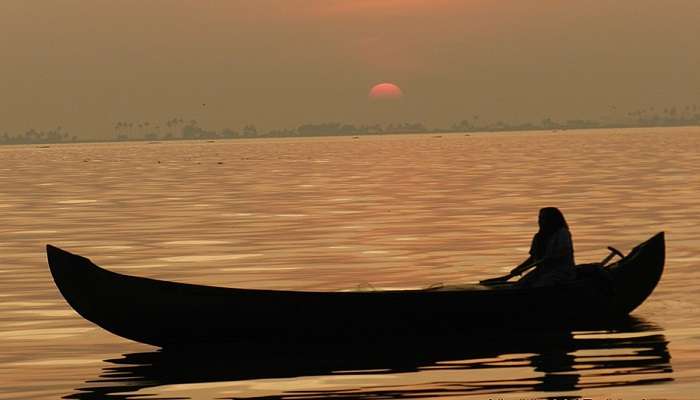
631, 353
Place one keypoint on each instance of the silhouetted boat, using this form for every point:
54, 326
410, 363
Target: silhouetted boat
170, 314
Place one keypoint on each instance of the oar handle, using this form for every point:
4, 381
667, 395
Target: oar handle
616, 251
613, 252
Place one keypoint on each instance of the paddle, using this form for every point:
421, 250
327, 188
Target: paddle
514, 272
518, 271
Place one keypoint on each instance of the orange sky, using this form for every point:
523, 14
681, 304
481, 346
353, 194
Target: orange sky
87, 64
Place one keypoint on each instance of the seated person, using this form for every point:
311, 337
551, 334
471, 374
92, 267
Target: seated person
552, 251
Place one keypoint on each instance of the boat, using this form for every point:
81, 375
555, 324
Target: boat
179, 315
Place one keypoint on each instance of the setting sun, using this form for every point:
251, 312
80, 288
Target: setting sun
385, 91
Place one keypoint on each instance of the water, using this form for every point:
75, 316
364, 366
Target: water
346, 214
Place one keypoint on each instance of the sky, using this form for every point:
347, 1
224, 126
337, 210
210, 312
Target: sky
87, 64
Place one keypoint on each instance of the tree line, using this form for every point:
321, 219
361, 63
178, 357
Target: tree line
178, 128
181, 129
56, 135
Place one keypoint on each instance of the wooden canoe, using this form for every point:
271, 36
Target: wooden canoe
170, 314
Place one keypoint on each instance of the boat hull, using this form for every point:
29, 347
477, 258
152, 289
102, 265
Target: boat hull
169, 314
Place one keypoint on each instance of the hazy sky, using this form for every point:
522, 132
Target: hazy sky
86, 64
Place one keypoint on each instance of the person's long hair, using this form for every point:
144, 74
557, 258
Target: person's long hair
551, 220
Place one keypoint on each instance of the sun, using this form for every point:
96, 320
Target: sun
385, 91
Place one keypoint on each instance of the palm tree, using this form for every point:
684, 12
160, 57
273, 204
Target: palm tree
117, 129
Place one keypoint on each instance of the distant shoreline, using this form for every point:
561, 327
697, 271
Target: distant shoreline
290, 136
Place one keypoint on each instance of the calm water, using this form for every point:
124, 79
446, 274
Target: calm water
344, 214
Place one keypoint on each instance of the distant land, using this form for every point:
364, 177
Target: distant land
181, 129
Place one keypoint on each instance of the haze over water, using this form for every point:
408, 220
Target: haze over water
346, 214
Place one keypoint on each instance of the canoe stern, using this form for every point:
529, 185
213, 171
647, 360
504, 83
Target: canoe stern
637, 275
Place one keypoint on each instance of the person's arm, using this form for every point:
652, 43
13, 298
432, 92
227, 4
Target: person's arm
530, 261
525, 265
